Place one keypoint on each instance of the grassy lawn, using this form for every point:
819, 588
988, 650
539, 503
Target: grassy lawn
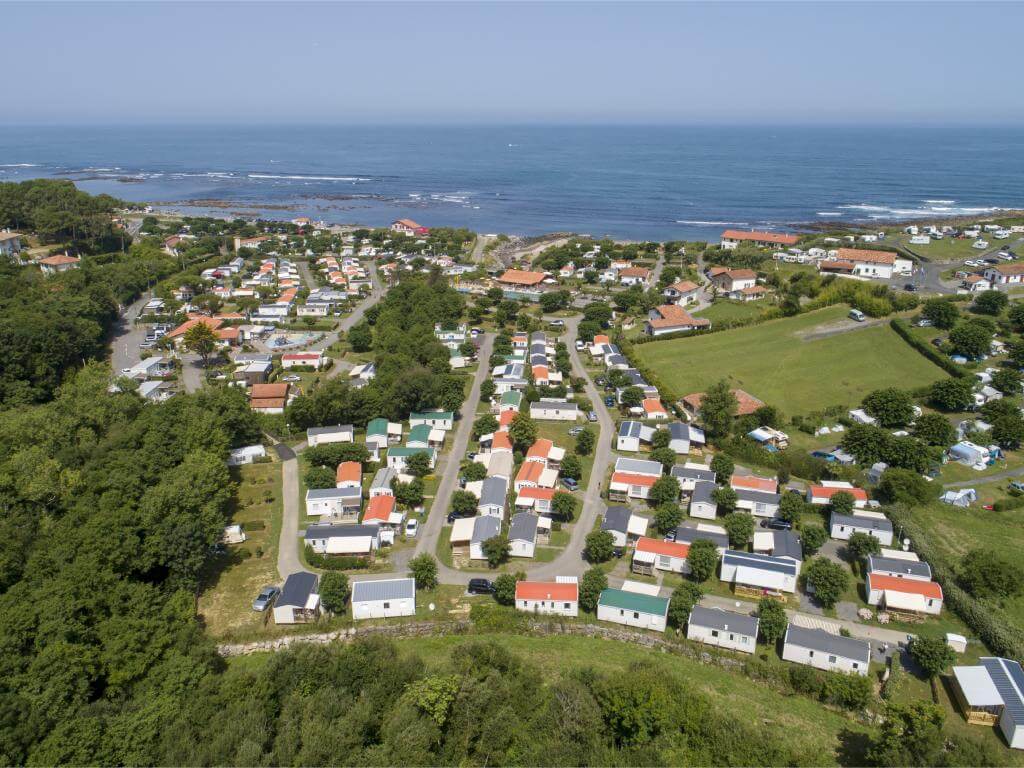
946, 249
232, 582
727, 311
776, 361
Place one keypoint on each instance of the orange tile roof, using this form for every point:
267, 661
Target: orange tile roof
741, 274
521, 277
530, 472
349, 471
409, 223
746, 403
825, 491
546, 590
628, 478
506, 417
537, 493
601, 339
540, 449
60, 258
672, 315
836, 266
659, 547
779, 238
634, 272
501, 441
753, 483
1009, 269
753, 290
540, 372
871, 257
380, 508
653, 405
182, 329
930, 589
684, 286
272, 391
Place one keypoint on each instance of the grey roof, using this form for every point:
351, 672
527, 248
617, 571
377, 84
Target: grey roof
1008, 679
689, 473
636, 379
630, 429
616, 519
297, 589
895, 565
615, 359
703, 492
493, 491
787, 544
554, 405
485, 528
383, 589
523, 527
763, 497
687, 534
638, 466
328, 531
860, 521
826, 642
253, 357
333, 493
383, 477
538, 336
716, 618
762, 562
314, 431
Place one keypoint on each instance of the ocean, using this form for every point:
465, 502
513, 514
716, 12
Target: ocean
657, 182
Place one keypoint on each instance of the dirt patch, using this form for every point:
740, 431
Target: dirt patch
826, 330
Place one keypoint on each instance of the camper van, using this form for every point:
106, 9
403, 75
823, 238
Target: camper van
856, 314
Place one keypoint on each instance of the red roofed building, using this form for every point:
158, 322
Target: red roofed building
269, 398
548, 597
349, 475
302, 359
537, 499
59, 263
230, 335
505, 418
409, 227
684, 292
634, 276
671, 318
867, 263
655, 554
753, 483
653, 409
732, 281
178, 333
521, 277
822, 494
500, 441
733, 237
546, 452
630, 485
746, 403
381, 510
909, 595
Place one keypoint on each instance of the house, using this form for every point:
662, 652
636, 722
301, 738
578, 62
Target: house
340, 433
553, 598
899, 567
349, 475
903, 595
269, 398
992, 692
52, 265
434, 419
1004, 274
533, 474
653, 409
754, 483
689, 474
778, 544
334, 502
655, 554
484, 528
771, 440
746, 403
522, 534
545, 451
493, 492
501, 463
510, 401
633, 478
823, 650
756, 574
383, 598
757, 503
382, 481
554, 410
724, 629
961, 497
631, 435
682, 293
671, 318
156, 367
623, 525
689, 533
634, 276
10, 244
682, 436
408, 227
732, 281
299, 601
425, 436
246, 455
381, 433
521, 278
328, 539
398, 455
314, 360
382, 510
866, 263
702, 500
537, 499
633, 609
821, 495
976, 284
731, 238
873, 523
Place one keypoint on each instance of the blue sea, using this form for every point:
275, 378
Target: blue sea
663, 182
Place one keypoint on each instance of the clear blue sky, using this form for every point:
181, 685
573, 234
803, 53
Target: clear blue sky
491, 62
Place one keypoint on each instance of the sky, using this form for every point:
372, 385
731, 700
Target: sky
487, 62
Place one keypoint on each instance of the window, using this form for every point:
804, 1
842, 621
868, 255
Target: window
810, 654
566, 606
855, 665
636, 615
714, 633
831, 659
387, 606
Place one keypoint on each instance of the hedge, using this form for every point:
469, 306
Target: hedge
340, 563
903, 331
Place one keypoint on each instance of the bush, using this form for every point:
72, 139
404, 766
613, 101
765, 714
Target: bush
926, 349
335, 562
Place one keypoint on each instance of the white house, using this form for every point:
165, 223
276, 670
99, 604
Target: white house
484, 528
909, 595
522, 534
823, 650
1005, 274
434, 419
765, 573
359, 540
554, 410
654, 554
702, 501
314, 360
556, 598
340, 433
633, 478
333, 502
822, 494
689, 474
899, 564
633, 609
724, 629
874, 523
246, 455
385, 598
632, 434
624, 526
299, 601
493, 492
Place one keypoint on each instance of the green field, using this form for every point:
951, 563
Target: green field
729, 311
790, 363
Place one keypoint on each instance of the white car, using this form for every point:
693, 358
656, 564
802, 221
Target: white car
291, 377
412, 527
126, 370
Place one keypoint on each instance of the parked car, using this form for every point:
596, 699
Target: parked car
557, 323
580, 345
777, 524
412, 527
609, 401
480, 587
1017, 485
575, 431
265, 598
147, 345
591, 416
453, 515
291, 377
570, 483
923, 322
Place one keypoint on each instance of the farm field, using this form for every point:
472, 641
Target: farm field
799, 364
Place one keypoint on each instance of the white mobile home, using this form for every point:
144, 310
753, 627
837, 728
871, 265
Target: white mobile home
725, 629
557, 598
633, 610
340, 433
823, 650
383, 598
873, 523
762, 573
298, 602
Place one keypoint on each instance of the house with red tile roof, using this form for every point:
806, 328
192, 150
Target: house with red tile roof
897, 594
822, 494
746, 403
557, 598
671, 318
51, 265
732, 281
269, 398
521, 277
731, 238
655, 554
682, 293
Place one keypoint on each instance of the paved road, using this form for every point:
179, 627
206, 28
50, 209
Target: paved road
1008, 474
376, 294
288, 546
124, 344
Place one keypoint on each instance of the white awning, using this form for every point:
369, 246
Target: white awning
462, 530
637, 526
904, 601
349, 545
977, 687
764, 541
755, 577
644, 557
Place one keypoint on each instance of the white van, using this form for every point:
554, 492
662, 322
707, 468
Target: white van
856, 314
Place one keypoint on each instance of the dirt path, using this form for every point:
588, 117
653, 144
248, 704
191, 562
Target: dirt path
826, 330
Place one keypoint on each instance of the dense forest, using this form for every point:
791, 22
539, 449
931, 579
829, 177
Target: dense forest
58, 212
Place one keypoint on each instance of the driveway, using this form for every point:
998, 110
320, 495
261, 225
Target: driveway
288, 561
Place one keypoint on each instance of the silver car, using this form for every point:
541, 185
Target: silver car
265, 598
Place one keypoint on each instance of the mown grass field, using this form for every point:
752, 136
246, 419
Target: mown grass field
730, 311
791, 363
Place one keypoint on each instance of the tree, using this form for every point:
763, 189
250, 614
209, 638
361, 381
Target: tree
599, 546
418, 464
522, 431
563, 506
571, 466
911, 734
934, 429
862, 544
717, 409
684, 597
812, 537
791, 507
585, 441
409, 494
932, 654
423, 569
723, 468
360, 337
990, 303
740, 528
951, 394
1008, 432
828, 580
484, 425
1007, 381
320, 477
664, 491
725, 498
985, 574
496, 549
971, 339
772, 620
592, 584
942, 314
842, 503
332, 454
631, 397
474, 471
702, 559
1016, 315
661, 438
201, 339
904, 486
667, 518
334, 591
505, 587
664, 456
487, 389
892, 407
464, 503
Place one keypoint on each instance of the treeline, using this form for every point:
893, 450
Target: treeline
413, 372
57, 211
50, 325
111, 507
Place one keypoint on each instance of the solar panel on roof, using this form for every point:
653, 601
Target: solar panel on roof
1004, 674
